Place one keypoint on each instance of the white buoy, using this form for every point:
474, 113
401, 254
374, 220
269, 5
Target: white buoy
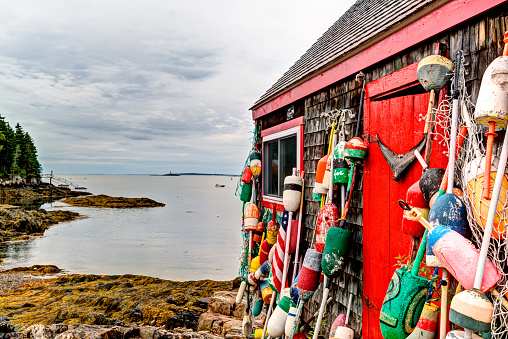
277, 323
290, 320
292, 192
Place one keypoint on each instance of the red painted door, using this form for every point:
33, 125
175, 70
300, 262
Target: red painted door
397, 122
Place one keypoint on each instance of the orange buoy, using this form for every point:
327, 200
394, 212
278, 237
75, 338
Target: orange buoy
247, 175
251, 217
258, 232
320, 173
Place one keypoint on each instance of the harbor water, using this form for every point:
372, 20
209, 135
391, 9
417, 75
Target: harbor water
195, 236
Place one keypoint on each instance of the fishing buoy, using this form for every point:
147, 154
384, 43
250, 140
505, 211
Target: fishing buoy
264, 250
254, 264
343, 331
430, 182
475, 176
427, 325
247, 175
455, 191
450, 211
327, 175
414, 197
277, 322
258, 333
290, 320
255, 163
260, 274
320, 173
240, 293
292, 192
246, 193
258, 232
491, 108
459, 256
355, 149
266, 291
404, 299
336, 248
308, 282
472, 309
272, 229
339, 321
460, 335
257, 307
251, 217
328, 217
340, 166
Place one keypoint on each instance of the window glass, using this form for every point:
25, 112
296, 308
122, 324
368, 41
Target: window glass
279, 159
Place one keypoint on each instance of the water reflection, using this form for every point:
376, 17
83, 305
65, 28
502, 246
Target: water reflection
19, 251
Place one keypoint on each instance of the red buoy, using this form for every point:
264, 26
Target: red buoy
327, 217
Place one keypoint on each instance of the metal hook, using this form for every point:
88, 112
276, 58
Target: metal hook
404, 205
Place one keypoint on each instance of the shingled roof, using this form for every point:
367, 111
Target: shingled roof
364, 21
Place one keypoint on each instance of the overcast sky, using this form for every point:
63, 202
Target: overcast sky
148, 86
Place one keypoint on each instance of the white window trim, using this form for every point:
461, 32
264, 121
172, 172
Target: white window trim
278, 135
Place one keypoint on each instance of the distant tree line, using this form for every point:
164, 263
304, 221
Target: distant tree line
18, 155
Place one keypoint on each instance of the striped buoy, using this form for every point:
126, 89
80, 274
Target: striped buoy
290, 319
246, 193
251, 217
414, 198
327, 176
255, 163
449, 211
355, 149
277, 322
434, 72
340, 166
292, 192
320, 173
336, 249
258, 232
328, 217
260, 274
430, 182
426, 328
310, 274
472, 309
247, 175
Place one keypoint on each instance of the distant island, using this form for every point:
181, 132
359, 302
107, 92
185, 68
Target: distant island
178, 174
171, 174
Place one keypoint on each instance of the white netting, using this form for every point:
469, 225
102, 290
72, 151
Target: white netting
469, 171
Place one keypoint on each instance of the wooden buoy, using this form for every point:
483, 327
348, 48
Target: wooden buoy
449, 211
491, 108
404, 299
277, 322
247, 175
320, 173
246, 193
292, 192
472, 309
251, 217
459, 256
475, 176
328, 217
414, 197
264, 251
255, 163
427, 325
338, 242
340, 166
266, 291
240, 293
308, 282
430, 182
327, 175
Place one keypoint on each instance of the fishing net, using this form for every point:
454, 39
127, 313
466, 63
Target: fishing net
468, 175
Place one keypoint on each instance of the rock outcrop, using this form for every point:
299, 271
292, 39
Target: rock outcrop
224, 316
102, 200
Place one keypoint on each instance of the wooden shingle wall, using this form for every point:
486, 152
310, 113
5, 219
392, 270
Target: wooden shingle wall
481, 41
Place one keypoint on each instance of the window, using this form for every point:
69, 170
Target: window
281, 153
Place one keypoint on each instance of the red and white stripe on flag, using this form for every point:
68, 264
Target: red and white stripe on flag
278, 257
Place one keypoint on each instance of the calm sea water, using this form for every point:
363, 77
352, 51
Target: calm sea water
195, 236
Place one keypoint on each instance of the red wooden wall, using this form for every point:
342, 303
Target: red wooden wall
397, 123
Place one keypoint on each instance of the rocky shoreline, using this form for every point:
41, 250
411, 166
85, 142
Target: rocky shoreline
41, 302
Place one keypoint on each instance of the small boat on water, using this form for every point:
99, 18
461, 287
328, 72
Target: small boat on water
219, 185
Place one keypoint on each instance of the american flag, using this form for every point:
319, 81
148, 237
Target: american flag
278, 257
